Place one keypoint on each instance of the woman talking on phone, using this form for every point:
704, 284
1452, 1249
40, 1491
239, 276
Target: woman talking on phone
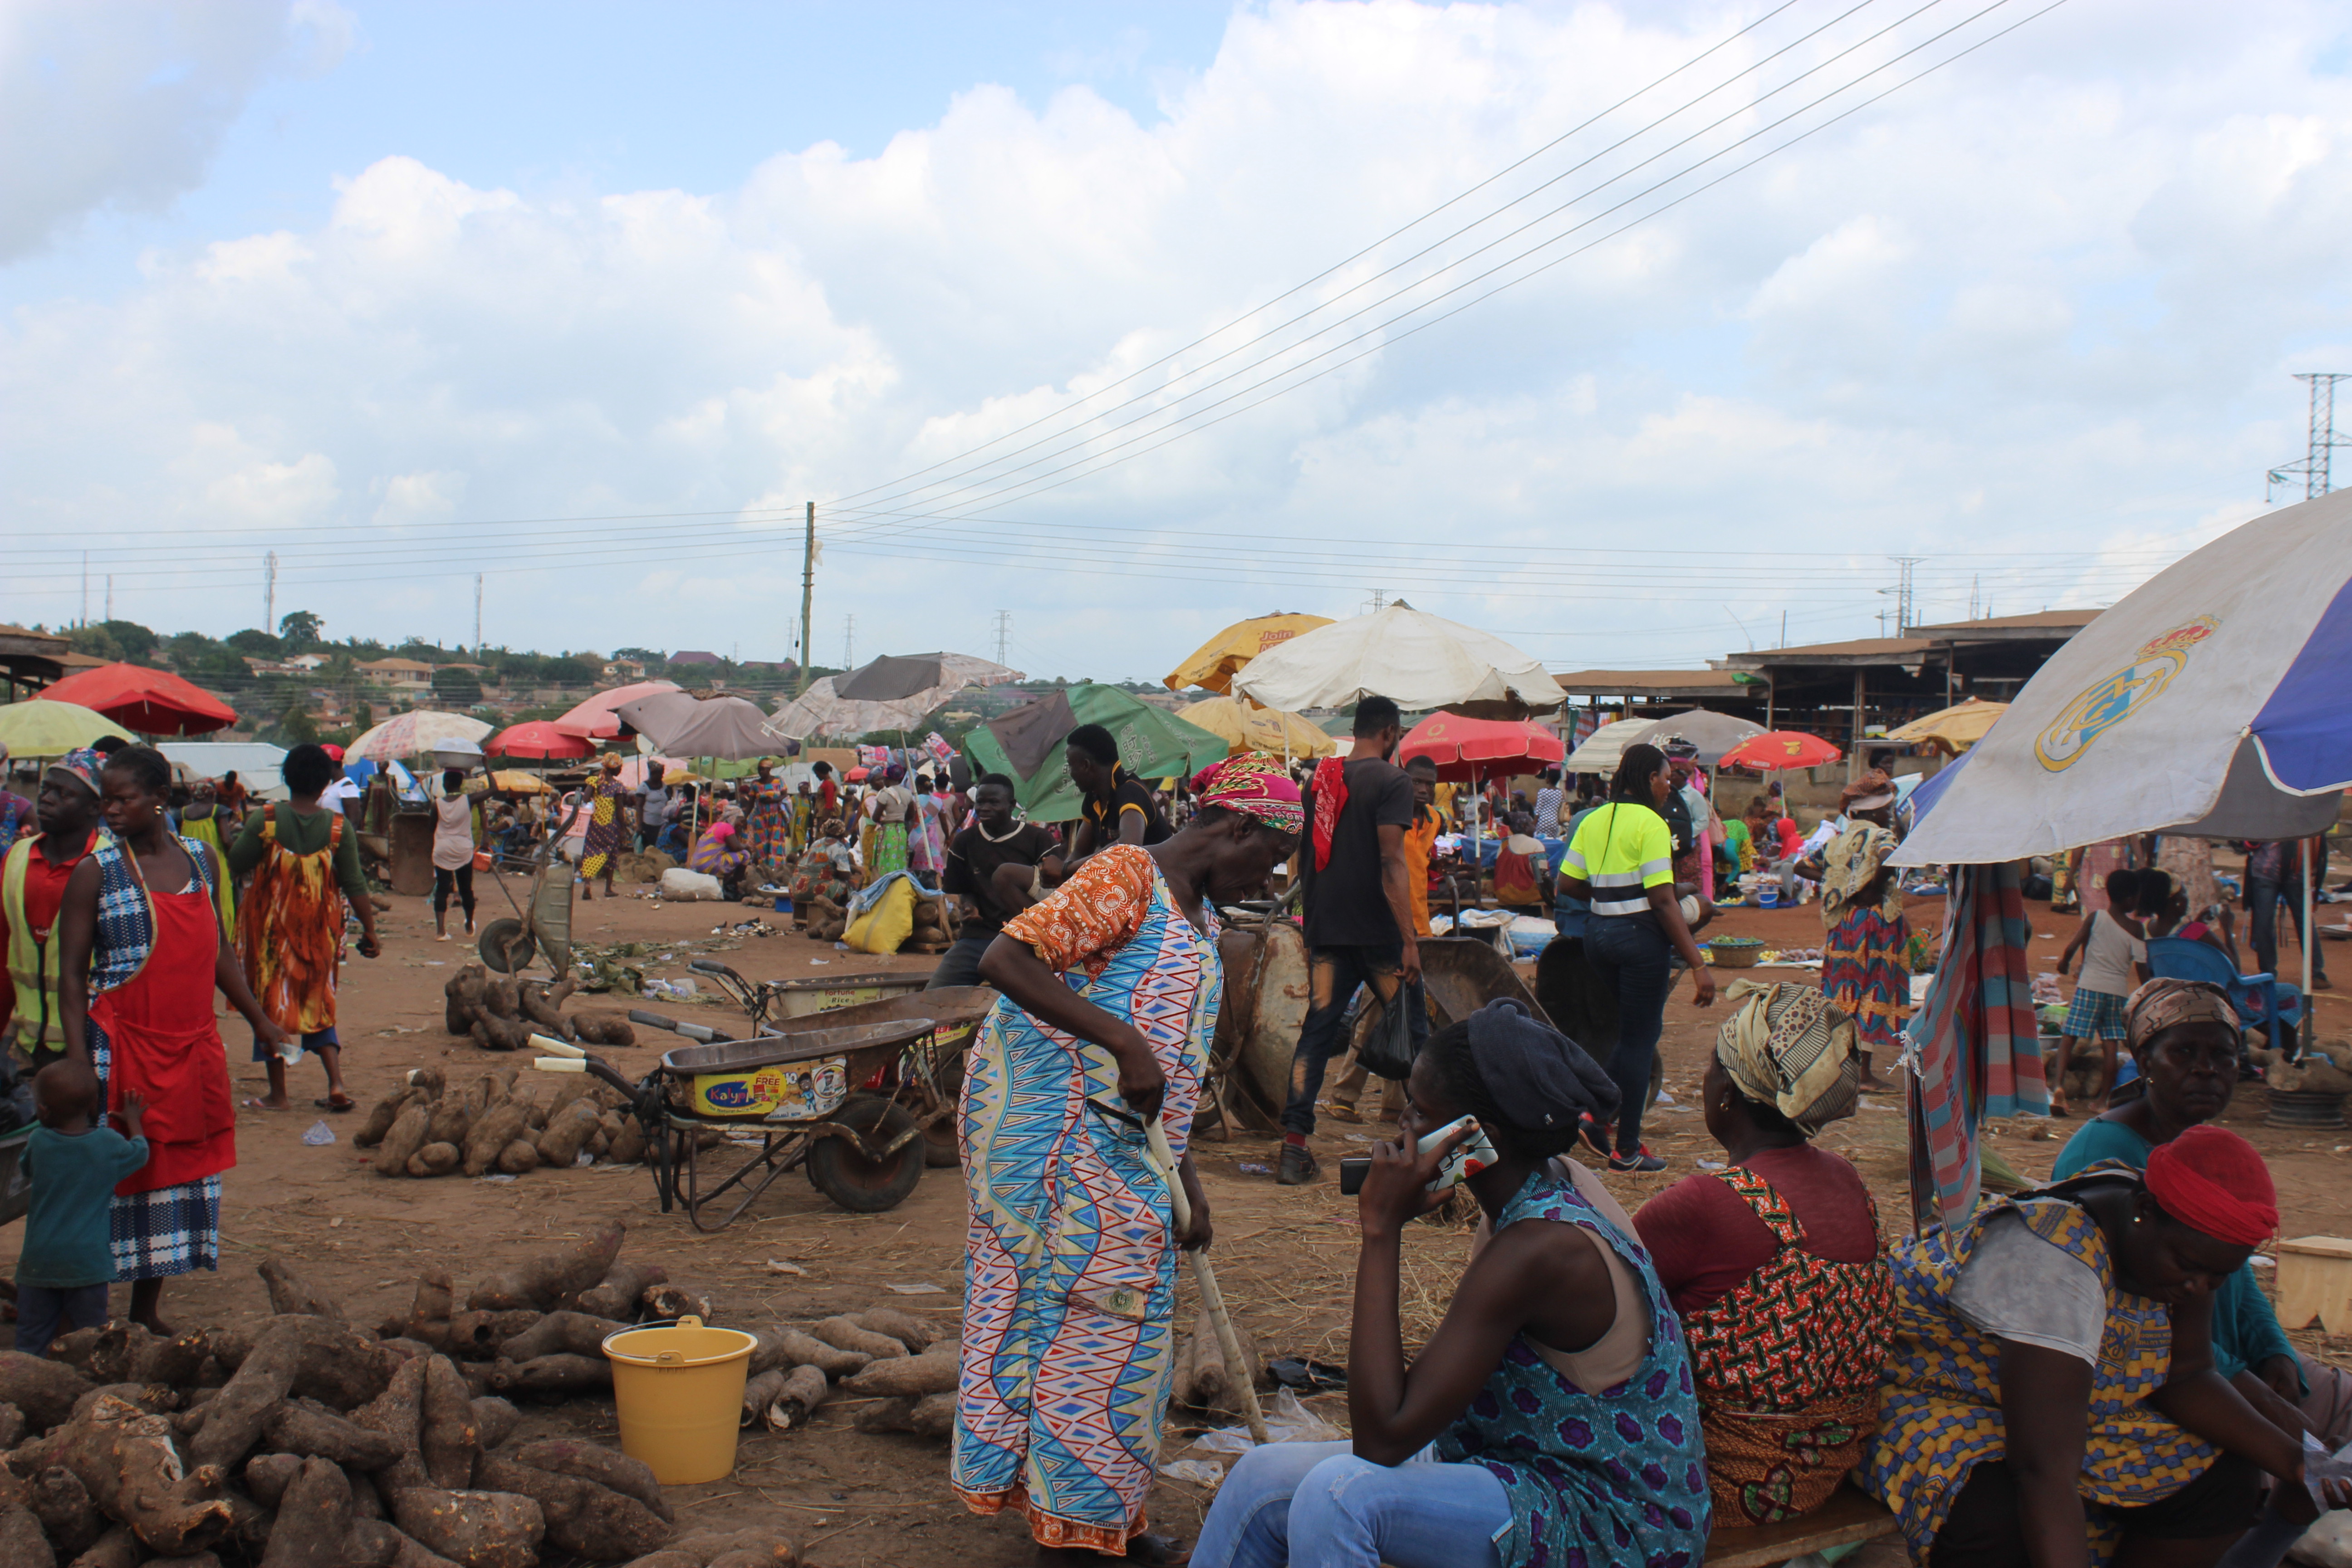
1550, 1418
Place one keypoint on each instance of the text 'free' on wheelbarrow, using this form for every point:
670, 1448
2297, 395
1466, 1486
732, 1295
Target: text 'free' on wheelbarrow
844, 1102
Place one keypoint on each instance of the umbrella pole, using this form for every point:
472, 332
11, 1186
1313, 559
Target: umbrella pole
2310, 935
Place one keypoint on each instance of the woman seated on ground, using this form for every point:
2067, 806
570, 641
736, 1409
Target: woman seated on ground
2165, 906
2183, 1034
1774, 1262
826, 869
719, 853
1550, 1418
2052, 1375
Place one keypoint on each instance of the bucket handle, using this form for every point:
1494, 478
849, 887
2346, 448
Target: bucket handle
659, 1358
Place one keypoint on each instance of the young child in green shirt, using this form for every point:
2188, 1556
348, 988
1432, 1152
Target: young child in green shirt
74, 1159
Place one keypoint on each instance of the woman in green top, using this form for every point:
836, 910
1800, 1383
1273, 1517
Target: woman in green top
2184, 1035
1622, 859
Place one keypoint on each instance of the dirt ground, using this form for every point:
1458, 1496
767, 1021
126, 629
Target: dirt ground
1285, 1257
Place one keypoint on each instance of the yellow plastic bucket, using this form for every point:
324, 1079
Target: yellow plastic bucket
680, 1392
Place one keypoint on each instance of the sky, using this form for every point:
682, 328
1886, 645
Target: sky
1638, 334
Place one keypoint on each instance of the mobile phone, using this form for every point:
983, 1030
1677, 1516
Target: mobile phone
1468, 1158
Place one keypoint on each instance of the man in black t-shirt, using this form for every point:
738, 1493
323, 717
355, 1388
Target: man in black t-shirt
992, 873
1119, 807
1357, 898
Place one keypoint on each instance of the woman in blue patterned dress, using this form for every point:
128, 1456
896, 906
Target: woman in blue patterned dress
1550, 1421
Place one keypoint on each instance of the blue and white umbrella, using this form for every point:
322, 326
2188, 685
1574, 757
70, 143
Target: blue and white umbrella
2210, 701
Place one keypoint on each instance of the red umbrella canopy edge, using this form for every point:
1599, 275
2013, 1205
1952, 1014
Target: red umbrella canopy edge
152, 701
1471, 749
1776, 750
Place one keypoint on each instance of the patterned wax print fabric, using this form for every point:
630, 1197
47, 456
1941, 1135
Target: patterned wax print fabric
207, 830
1596, 1481
291, 931
1788, 1363
151, 1028
15, 818
927, 840
1850, 862
886, 850
604, 838
767, 833
1070, 1262
1939, 1411
1866, 974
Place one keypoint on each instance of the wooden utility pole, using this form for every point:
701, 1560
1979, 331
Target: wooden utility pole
808, 594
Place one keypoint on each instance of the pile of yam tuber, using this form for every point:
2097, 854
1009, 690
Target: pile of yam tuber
299, 1441
432, 1128
501, 1011
933, 930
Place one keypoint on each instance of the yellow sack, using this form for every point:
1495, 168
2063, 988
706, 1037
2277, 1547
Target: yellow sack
884, 928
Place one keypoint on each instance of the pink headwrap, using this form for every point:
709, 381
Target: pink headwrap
722, 830
1253, 786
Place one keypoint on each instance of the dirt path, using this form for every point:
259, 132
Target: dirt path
1285, 1257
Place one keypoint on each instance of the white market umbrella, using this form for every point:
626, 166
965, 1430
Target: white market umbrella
897, 691
1605, 747
1420, 661
412, 734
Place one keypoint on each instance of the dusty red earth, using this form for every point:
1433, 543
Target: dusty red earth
1285, 1257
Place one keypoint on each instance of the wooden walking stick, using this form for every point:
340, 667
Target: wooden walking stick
1243, 1375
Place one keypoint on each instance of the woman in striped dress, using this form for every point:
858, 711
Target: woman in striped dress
142, 949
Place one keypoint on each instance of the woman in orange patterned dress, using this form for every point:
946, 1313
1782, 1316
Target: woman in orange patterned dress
305, 864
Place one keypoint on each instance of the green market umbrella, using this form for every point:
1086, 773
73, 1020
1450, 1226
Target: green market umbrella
1152, 742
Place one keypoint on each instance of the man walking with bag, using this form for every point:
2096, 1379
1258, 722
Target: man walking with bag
1358, 897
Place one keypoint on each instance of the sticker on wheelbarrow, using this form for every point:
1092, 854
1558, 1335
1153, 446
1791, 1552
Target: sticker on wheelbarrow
801, 1091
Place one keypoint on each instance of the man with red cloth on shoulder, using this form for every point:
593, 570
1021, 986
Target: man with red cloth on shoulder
1358, 897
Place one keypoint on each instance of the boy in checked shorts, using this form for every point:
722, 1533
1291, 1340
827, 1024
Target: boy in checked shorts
2113, 943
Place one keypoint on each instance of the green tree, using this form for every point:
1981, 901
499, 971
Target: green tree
456, 689
363, 717
137, 642
95, 641
255, 644
569, 671
299, 629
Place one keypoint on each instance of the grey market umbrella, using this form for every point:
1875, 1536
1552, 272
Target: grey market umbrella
683, 725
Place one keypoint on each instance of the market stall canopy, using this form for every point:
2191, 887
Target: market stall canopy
1466, 750
514, 781
152, 701
256, 763
596, 719
1954, 729
1420, 661
1153, 743
1212, 664
412, 734
1246, 726
897, 691
1714, 734
362, 770
2209, 702
684, 725
1775, 751
538, 739
47, 728
1605, 747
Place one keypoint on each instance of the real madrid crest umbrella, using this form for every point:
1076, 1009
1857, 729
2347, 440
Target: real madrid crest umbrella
2208, 702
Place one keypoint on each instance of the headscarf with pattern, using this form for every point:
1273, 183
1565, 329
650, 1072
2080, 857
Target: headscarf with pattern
1253, 786
2164, 1001
1786, 1047
81, 765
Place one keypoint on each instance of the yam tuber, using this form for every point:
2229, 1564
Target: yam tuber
435, 1160
933, 1416
397, 1413
915, 1375
584, 1518
452, 1115
791, 1347
477, 1335
629, 1146
494, 1421
546, 1278
761, 1392
127, 1353
558, 1374
761, 1547
68, 1518
387, 1111
406, 1137
493, 1033
804, 1388
545, 1007
576, 1332
492, 1132
308, 1356
671, 1301
518, 1158
44, 1389
127, 1460
477, 1529
314, 1517
916, 1336
843, 1333
307, 1428
267, 1477
117, 1548
446, 1434
428, 1315
502, 996
615, 1295
886, 1415
21, 1540
567, 1131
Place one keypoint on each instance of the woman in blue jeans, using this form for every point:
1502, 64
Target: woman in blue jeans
1621, 859
1550, 1418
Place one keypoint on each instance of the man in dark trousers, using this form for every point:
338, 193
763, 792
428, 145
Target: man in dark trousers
1358, 893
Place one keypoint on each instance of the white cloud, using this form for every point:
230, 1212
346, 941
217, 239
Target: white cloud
2043, 301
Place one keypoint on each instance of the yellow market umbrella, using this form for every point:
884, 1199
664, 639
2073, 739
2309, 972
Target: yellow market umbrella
1214, 662
1246, 726
1955, 728
514, 781
41, 728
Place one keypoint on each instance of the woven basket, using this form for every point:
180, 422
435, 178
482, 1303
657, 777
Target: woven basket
1735, 953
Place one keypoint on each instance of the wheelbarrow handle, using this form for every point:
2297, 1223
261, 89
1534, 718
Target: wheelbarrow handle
651, 1020
711, 966
695, 1032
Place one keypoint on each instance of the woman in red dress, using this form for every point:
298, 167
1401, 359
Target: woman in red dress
142, 948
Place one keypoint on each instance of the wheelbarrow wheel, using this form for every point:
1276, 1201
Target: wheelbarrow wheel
861, 1185
505, 946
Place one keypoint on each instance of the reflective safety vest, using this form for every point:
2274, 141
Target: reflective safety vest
36, 1026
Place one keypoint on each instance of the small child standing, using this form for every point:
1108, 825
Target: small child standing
2113, 943
74, 1159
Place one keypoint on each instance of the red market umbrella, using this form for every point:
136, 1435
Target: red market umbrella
1472, 748
539, 740
152, 701
1776, 750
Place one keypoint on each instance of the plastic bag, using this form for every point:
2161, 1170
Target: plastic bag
1387, 1048
884, 928
1286, 1421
